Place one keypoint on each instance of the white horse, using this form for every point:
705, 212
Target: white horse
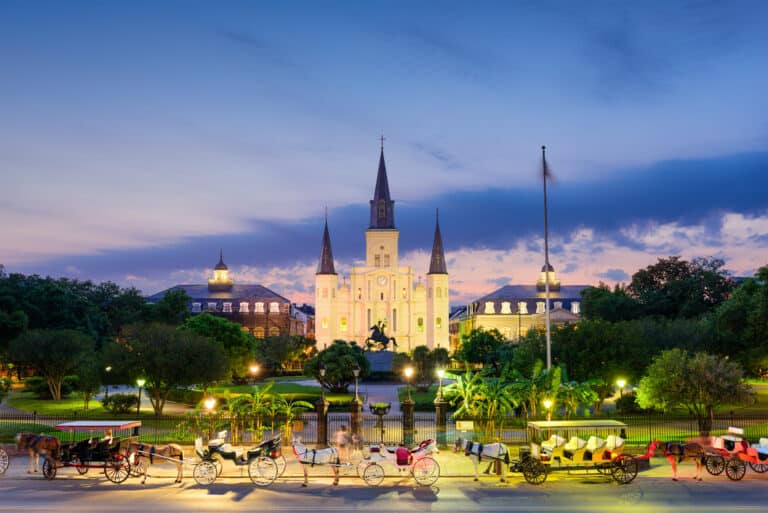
312, 457
476, 451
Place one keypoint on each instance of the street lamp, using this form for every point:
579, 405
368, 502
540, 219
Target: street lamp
140, 382
209, 403
107, 369
356, 372
440, 374
321, 369
408, 373
254, 370
621, 383
548, 406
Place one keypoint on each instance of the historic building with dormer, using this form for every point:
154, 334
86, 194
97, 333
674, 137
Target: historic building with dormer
261, 311
382, 291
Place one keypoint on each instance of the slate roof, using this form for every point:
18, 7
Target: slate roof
531, 295
437, 261
325, 266
200, 293
382, 193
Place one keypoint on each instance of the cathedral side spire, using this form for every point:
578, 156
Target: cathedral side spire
437, 261
325, 266
382, 206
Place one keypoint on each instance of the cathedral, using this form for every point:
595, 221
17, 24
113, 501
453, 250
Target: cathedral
382, 292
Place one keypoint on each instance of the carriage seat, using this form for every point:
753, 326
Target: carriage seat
221, 437
553, 443
199, 447
228, 450
594, 446
759, 450
574, 444
614, 442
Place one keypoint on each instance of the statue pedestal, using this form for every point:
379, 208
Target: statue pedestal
381, 361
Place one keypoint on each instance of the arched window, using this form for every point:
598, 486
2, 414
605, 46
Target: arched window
438, 292
258, 332
420, 324
325, 322
439, 323
343, 324
274, 331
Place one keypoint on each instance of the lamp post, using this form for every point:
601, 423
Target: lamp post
254, 369
321, 407
548, 406
621, 383
322, 387
107, 369
440, 374
140, 382
209, 404
355, 406
356, 372
408, 374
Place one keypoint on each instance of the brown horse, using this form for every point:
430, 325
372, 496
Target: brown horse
38, 445
677, 452
138, 453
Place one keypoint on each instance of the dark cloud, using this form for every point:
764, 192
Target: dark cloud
501, 281
686, 192
570, 267
614, 275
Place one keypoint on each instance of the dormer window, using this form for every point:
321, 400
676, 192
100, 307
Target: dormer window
258, 307
540, 307
227, 308
211, 306
522, 308
558, 304
244, 307
506, 307
490, 308
197, 307
575, 308
274, 307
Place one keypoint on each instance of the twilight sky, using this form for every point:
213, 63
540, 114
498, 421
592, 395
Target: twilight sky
138, 138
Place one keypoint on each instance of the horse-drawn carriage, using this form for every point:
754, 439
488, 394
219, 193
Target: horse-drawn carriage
107, 453
417, 461
265, 461
561, 446
755, 455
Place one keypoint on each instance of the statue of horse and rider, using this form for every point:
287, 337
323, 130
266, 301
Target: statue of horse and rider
378, 340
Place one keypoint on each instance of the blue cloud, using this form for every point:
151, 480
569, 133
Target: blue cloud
614, 275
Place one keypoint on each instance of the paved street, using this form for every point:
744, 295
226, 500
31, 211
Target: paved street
651, 491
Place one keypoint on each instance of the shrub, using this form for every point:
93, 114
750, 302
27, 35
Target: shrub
627, 404
120, 403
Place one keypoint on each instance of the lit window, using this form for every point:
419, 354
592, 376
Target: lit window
211, 306
522, 307
325, 322
405, 293
343, 324
244, 307
274, 331
539, 307
506, 307
258, 307
381, 296
558, 304
420, 324
258, 332
489, 307
359, 293
575, 308
227, 307
197, 307
274, 307
439, 323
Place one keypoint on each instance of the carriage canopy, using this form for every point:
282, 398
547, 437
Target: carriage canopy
541, 430
98, 425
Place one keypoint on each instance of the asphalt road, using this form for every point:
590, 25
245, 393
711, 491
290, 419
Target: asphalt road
93, 493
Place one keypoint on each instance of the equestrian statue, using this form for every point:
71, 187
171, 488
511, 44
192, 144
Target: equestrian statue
378, 340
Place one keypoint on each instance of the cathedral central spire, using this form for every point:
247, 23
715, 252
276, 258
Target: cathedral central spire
325, 266
382, 206
437, 261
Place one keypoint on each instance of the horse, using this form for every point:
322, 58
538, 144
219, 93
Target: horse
379, 337
172, 453
496, 452
677, 452
46, 446
312, 457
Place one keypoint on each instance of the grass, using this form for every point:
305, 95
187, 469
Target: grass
424, 401
289, 390
73, 405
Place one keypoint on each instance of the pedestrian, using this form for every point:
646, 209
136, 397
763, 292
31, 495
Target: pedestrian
341, 438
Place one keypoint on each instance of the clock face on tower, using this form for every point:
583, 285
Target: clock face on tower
382, 280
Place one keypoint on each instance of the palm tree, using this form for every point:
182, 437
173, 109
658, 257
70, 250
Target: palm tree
292, 408
573, 395
531, 391
466, 392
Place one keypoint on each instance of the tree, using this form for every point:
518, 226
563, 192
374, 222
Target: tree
479, 345
339, 359
89, 377
168, 358
238, 345
698, 383
278, 353
171, 308
613, 306
531, 390
53, 354
677, 288
427, 362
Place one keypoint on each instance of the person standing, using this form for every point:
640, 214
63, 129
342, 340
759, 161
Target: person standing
341, 438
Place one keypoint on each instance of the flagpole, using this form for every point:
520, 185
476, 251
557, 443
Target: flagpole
546, 258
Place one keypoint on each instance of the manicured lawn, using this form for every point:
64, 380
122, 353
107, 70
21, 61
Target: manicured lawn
67, 406
425, 401
291, 391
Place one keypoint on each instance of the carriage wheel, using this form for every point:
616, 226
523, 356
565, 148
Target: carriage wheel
373, 474
361, 466
4, 461
425, 471
735, 469
759, 467
281, 463
535, 472
204, 472
137, 469
117, 469
79, 466
624, 469
49, 469
715, 464
262, 470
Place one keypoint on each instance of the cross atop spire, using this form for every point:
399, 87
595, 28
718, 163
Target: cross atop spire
382, 141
